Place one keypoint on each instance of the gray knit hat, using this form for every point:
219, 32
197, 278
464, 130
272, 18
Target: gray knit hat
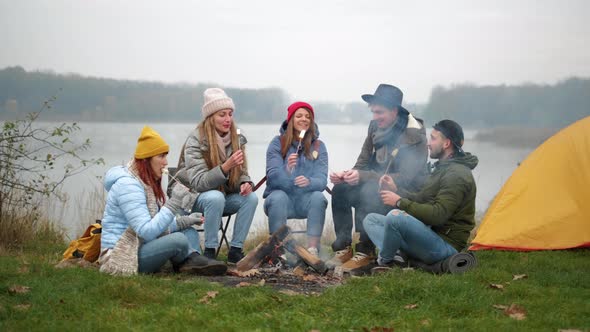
215, 100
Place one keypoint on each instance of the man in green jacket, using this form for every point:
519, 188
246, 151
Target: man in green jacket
435, 222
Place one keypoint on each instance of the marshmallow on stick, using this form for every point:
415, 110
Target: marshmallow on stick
239, 132
301, 136
393, 154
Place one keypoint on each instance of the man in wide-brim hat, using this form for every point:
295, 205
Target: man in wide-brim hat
396, 146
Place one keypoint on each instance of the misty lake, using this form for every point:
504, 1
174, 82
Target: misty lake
115, 142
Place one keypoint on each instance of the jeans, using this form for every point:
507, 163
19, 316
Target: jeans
365, 199
400, 231
213, 204
174, 247
278, 206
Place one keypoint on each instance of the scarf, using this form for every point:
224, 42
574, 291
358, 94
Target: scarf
385, 138
222, 143
122, 259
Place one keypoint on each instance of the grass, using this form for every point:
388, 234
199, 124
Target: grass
555, 296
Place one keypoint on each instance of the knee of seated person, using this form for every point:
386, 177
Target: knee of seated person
317, 197
397, 218
276, 198
252, 199
180, 241
339, 189
214, 197
373, 219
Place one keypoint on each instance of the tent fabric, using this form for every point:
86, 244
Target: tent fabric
545, 204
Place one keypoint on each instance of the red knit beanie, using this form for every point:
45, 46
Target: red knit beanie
297, 105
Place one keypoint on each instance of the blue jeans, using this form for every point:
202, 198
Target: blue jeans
278, 206
400, 231
213, 204
174, 246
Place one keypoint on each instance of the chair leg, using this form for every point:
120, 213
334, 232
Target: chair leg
223, 229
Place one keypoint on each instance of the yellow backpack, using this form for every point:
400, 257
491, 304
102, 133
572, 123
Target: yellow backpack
87, 246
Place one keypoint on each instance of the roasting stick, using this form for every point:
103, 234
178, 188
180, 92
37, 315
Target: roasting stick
393, 154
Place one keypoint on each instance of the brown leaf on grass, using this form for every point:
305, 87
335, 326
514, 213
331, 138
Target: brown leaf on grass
243, 284
262, 282
500, 306
210, 295
22, 307
497, 286
411, 306
425, 322
243, 274
515, 311
310, 277
18, 289
378, 329
519, 276
23, 269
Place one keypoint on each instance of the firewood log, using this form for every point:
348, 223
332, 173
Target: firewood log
264, 249
311, 260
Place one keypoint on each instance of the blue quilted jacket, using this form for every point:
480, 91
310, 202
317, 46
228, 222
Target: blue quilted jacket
127, 206
277, 177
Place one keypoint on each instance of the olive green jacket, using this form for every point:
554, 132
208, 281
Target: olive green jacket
447, 200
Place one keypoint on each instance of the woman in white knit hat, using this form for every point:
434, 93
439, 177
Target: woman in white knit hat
213, 164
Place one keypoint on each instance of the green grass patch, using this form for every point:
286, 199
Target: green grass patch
555, 296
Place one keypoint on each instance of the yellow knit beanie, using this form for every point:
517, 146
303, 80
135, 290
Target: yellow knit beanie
150, 144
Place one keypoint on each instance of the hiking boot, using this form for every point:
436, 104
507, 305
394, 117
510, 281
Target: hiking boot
314, 251
235, 255
364, 270
359, 260
340, 257
210, 253
201, 265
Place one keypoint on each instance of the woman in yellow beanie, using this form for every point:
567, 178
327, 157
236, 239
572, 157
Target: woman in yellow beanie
213, 163
141, 229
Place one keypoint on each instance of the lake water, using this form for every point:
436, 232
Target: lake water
115, 142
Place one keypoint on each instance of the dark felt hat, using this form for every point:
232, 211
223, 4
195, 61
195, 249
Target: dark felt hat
387, 95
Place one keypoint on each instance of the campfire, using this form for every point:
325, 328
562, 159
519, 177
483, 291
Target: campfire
282, 263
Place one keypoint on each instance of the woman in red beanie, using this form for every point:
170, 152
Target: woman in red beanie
297, 173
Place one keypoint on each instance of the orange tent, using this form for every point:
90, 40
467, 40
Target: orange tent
545, 204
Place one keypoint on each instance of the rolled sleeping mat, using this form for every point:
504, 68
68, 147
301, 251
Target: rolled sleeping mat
455, 264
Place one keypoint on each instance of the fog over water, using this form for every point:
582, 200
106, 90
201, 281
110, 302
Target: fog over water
116, 143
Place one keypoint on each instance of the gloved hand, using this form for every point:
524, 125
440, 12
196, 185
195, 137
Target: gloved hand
184, 222
174, 203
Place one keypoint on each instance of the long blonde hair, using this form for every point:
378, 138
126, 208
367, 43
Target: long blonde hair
289, 136
207, 132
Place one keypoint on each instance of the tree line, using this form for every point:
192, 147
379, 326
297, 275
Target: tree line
81, 98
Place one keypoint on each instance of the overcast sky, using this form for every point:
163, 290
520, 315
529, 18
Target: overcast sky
315, 50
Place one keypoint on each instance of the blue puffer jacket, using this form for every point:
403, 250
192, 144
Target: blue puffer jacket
277, 177
127, 206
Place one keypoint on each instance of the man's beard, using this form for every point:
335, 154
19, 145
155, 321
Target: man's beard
436, 153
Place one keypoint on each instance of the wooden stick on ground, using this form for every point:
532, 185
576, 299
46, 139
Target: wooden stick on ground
311, 260
263, 249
